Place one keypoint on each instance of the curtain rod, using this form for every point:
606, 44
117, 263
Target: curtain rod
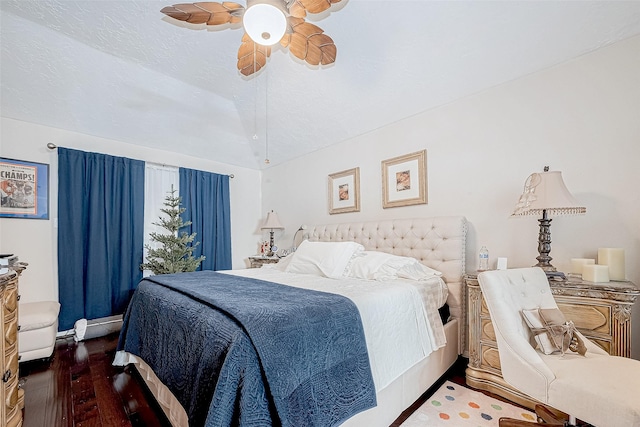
52, 146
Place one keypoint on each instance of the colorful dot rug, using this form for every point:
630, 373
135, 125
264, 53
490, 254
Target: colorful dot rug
454, 405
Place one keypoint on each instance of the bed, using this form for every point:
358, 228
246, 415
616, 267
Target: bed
437, 243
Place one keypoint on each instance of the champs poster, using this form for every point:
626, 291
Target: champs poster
23, 189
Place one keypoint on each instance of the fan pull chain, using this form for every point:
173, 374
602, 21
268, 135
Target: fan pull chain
255, 100
266, 117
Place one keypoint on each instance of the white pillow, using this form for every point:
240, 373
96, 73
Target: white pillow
280, 265
374, 265
322, 258
417, 271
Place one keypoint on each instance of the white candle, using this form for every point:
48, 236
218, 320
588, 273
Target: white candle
614, 258
595, 273
578, 263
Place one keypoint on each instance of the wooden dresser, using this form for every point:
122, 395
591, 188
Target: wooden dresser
600, 311
11, 397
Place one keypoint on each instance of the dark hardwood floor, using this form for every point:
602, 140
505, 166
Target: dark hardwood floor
78, 387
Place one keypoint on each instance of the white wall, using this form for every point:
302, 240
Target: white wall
582, 118
35, 241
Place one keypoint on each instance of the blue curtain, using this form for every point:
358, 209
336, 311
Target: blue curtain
205, 196
100, 233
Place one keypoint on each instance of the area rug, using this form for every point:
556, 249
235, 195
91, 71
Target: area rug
456, 405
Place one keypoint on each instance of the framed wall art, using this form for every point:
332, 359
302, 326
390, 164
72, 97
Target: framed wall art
24, 189
344, 191
404, 180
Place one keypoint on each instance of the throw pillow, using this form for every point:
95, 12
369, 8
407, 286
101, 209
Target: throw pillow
552, 332
563, 333
540, 334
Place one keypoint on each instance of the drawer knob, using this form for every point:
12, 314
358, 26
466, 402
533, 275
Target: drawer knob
6, 376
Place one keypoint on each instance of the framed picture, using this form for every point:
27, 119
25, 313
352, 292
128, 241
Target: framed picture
24, 189
344, 191
404, 180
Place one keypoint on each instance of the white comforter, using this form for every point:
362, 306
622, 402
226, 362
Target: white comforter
400, 318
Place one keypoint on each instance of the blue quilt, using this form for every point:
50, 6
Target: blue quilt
241, 351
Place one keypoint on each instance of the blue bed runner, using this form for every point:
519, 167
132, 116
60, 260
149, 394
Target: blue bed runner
242, 351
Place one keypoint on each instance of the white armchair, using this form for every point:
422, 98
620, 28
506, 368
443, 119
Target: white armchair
597, 388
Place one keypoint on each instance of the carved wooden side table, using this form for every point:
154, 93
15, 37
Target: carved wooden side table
601, 311
258, 260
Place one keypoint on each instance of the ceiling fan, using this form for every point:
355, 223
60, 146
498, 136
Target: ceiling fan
266, 22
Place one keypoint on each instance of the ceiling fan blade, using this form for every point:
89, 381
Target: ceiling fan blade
210, 13
309, 43
285, 40
252, 56
321, 50
297, 10
300, 8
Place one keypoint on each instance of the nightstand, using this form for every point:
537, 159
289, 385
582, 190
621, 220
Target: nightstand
600, 311
258, 261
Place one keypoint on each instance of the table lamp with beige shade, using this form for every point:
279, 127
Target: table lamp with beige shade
546, 194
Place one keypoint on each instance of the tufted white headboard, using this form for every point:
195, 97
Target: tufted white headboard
437, 242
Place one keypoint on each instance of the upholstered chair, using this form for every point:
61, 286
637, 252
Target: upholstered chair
597, 388
38, 328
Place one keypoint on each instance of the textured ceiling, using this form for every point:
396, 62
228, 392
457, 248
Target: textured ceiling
122, 70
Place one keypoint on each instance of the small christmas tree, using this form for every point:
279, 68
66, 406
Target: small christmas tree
176, 253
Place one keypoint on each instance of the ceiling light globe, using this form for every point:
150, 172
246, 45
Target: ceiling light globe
264, 23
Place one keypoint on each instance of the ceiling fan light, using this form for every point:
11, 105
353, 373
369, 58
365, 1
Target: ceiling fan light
264, 23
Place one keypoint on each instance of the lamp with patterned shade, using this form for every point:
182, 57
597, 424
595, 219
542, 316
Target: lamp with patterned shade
546, 194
